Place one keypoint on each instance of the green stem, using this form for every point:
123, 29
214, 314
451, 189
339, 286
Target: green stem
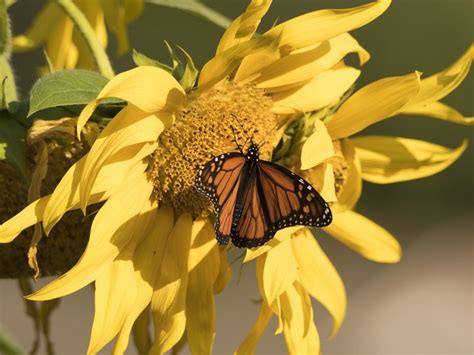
98, 53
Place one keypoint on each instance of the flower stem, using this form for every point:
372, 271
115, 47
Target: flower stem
101, 59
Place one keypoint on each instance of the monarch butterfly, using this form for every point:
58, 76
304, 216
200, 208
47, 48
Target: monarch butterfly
254, 198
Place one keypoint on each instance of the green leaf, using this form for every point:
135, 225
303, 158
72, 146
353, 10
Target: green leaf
13, 140
196, 8
65, 88
141, 59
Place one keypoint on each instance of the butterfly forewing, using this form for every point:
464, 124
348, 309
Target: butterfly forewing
219, 180
290, 199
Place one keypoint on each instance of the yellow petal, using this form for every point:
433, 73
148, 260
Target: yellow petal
29, 216
114, 228
225, 271
169, 296
297, 315
280, 236
228, 61
280, 270
308, 345
318, 147
147, 270
115, 293
319, 277
250, 342
438, 110
322, 178
323, 90
352, 188
42, 25
374, 102
115, 171
151, 89
365, 237
130, 127
200, 309
386, 160
303, 65
61, 51
244, 26
317, 26
441, 84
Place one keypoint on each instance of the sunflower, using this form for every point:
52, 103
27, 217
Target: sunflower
152, 248
63, 42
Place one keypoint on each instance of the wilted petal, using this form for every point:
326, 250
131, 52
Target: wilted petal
319, 277
386, 160
250, 342
130, 127
147, 264
200, 310
318, 148
115, 294
373, 103
29, 216
151, 89
113, 229
297, 316
169, 296
438, 110
301, 66
323, 90
365, 237
441, 84
244, 26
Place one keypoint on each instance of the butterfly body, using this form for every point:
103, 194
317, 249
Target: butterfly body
254, 198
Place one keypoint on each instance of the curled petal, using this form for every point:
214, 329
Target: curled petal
319, 277
301, 66
244, 26
151, 89
204, 261
318, 148
441, 84
169, 296
114, 228
373, 103
323, 90
386, 160
365, 237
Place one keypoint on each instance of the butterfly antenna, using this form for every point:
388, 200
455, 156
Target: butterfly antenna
235, 139
242, 127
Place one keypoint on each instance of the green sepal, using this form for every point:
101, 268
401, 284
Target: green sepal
141, 59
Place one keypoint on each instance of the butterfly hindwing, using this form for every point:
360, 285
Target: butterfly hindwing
219, 180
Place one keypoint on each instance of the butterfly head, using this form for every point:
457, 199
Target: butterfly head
252, 153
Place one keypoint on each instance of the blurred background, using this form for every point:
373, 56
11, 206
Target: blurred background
422, 305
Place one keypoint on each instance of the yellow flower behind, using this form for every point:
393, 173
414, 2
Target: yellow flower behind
63, 43
150, 249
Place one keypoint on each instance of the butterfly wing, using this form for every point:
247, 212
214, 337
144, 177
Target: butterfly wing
277, 198
219, 180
